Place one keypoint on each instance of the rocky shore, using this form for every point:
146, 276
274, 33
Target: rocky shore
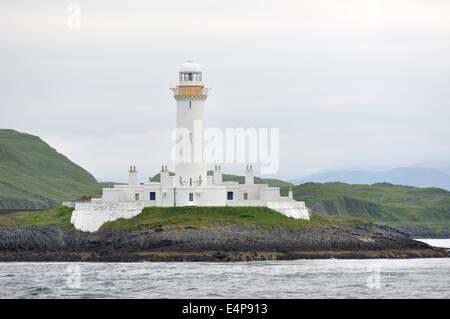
220, 243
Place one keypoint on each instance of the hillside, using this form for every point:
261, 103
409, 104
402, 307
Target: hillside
35, 176
418, 211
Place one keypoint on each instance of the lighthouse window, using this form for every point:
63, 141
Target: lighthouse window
152, 195
184, 77
136, 196
229, 195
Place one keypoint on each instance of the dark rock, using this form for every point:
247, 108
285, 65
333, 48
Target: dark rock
222, 243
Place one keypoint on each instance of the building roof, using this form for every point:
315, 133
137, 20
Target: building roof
190, 66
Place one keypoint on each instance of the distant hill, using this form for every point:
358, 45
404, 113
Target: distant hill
411, 176
33, 175
418, 211
442, 167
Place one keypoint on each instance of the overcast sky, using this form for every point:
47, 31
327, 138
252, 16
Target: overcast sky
351, 84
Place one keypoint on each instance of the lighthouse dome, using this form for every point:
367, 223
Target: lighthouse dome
190, 66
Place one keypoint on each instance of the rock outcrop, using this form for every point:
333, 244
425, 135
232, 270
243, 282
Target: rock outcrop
221, 243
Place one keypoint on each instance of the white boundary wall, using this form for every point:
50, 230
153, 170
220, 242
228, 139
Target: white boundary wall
91, 216
291, 208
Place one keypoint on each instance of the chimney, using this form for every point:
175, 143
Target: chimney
164, 176
249, 179
217, 177
132, 176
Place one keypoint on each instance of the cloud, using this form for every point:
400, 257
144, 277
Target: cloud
349, 83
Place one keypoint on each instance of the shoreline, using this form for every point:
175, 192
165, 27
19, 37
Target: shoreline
217, 256
220, 243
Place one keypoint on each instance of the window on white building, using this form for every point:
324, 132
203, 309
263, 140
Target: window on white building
152, 196
191, 197
136, 196
245, 196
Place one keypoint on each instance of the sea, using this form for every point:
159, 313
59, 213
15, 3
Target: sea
314, 278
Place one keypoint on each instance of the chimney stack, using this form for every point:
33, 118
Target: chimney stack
164, 176
132, 175
249, 178
217, 177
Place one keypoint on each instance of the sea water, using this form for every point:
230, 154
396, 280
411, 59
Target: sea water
326, 278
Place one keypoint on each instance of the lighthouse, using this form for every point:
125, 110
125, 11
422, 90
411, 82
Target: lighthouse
190, 186
190, 95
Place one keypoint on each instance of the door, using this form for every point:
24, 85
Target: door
191, 201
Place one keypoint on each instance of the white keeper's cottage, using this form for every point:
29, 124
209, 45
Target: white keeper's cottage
191, 186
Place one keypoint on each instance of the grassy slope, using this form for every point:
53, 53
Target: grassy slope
399, 206
178, 218
203, 217
34, 175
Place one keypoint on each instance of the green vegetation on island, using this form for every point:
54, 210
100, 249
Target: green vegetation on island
179, 218
205, 217
58, 216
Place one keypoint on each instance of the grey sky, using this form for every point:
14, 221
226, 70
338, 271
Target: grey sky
351, 84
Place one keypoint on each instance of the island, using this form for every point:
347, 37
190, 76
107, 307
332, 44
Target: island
208, 234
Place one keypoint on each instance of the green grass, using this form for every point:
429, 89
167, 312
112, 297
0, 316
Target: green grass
58, 216
395, 205
205, 217
179, 218
33, 175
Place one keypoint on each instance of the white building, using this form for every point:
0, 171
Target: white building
190, 186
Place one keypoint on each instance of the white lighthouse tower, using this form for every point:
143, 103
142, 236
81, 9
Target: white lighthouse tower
190, 94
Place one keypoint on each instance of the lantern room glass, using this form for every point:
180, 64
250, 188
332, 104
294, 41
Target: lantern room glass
190, 77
